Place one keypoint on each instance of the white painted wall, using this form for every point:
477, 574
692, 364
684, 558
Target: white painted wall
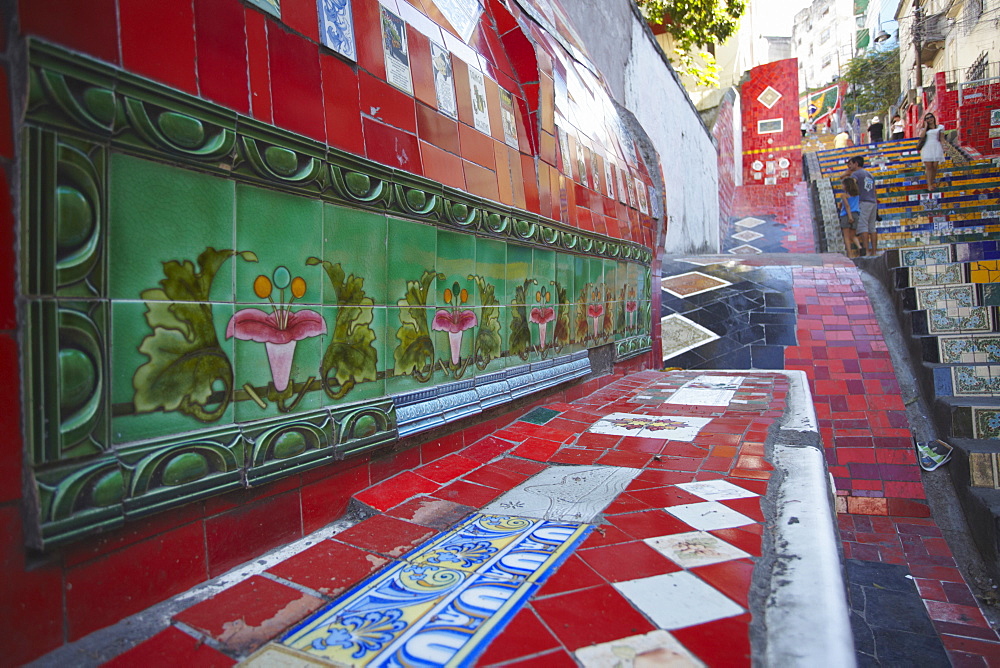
641, 80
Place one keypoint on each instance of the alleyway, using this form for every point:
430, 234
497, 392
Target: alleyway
631, 518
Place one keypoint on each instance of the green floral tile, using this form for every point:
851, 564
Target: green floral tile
161, 217
281, 374
283, 231
491, 334
358, 242
519, 268
454, 331
565, 277
456, 260
411, 264
163, 382
352, 359
543, 266
595, 271
411, 349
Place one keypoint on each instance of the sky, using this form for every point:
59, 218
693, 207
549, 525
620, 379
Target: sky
777, 16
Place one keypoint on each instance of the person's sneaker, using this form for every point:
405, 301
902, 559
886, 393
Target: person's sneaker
932, 454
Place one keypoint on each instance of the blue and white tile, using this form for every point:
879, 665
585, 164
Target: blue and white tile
336, 27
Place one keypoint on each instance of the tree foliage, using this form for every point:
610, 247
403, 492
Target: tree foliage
693, 24
873, 80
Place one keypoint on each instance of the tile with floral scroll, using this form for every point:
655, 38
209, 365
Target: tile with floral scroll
445, 601
672, 427
336, 27
695, 548
707, 391
692, 283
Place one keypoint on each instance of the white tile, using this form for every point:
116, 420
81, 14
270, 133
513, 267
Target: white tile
709, 515
716, 490
695, 548
566, 493
677, 600
656, 648
672, 427
706, 391
750, 222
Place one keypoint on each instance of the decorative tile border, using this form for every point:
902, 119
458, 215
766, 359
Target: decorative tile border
965, 320
944, 296
969, 349
680, 334
444, 602
691, 283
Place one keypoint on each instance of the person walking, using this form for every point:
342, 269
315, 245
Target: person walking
931, 151
868, 205
850, 210
875, 131
898, 130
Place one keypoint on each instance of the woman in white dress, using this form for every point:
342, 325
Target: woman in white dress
931, 152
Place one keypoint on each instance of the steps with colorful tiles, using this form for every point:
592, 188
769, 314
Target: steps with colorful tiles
948, 299
964, 207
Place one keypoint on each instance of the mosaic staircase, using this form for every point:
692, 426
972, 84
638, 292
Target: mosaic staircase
948, 299
965, 207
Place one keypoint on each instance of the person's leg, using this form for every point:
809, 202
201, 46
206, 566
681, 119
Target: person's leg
928, 177
873, 238
848, 241
934, 171
866, 226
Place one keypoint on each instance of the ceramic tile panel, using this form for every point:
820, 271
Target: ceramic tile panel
925, 255
986, 422
673, 427
654, 596
566, 493
229, 272
695, 548
481, 573
680, 334
658, 646
976, 381
946, 296
959, 319
969, 349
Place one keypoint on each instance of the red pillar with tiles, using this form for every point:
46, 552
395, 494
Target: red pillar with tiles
772, 139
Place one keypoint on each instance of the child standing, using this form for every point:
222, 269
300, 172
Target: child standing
850, 208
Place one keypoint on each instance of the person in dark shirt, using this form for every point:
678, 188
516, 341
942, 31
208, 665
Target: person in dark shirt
875, 130
868, 201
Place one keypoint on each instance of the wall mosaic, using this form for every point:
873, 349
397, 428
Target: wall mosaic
225, 303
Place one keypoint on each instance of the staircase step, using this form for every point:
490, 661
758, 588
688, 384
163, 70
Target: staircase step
961, 348
980, 381
954, 320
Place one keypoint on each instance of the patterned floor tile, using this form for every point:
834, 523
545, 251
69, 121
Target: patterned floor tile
445, 601
716, 490
657, 648
745, 249
750, 222
747, 235
573, 493
681, 334
707, 391
692, 283
946, 296
709, 515
695, 548
923, 255
677, 600
673, 427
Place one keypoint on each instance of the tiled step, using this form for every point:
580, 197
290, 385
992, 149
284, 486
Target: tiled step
980, 381
954, 320
972, 418
950, 273
983, 348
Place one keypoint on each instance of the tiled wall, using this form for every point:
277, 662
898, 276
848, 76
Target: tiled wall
772, 140
242, 236
723, 133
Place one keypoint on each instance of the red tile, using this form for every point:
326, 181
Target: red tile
576, 456
627, 561
606, 534
342, 104
653, 446
387, 103
467, 493
442, 166
665, 496
157, 41
487, 448
732, 578
648, 524
392, 147
11, 447
601, 441
421, 67
243, 497
463, 92
32, 613
524, 635
326, 499
988, 650
476, 146
105, 590
368, 36
573, 574
389, 464
6, 131
572, 617
90, 27
956, 614
627, 459
437, 129
747, 538
536, 448
395, 490
172, 647
521, 466
301, 16
703, 641
257, 65
244, 533
448, 468
496, 477
658, 478
749, 507
433, 450
296, 89
249, 613
432, 513
330, 567
556, 659
386, 535
625, 503
222, 48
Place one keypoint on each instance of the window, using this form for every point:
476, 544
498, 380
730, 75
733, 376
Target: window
824, 36
770, 125
978, 69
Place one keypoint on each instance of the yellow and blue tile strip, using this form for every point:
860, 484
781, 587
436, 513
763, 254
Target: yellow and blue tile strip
444, 601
